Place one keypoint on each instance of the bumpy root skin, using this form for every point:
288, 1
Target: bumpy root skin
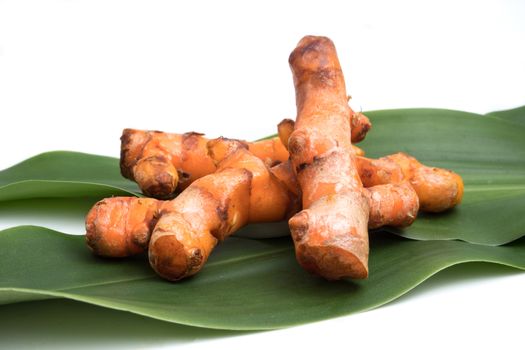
286, 127
205, 213
163, 164
380, 171
157, 177
121, 226
242, 190
268, 194
330, 233
393, 205
333, 251
438, 189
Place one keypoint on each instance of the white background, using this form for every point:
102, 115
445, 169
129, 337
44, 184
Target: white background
73, 74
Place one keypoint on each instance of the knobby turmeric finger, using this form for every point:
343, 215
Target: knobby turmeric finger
121, 226
393, 205
380, 171
205, 213
242, 190
330, 234
438, 189
182, 232
163, 164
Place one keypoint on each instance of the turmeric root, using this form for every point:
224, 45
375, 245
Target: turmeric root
438, 189
391, 204
161, 163
182, 232
330, 234
205, 213
156, 160
121, 226
242, 190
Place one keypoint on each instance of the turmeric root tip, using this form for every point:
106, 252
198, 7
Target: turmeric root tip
156, 177
176, 249
331, 250
121, 226
438, 189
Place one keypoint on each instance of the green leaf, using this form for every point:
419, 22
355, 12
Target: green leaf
64, 174
247, 284
515, 115
487, 151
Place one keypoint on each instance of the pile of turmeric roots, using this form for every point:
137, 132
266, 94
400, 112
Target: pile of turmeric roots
311, 174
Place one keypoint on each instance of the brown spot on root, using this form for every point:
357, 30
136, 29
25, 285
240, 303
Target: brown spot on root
194, 133
302, 167
318, 161
365, 174
184, 177
362, 133
222, 213
196, 259
190, 140
131, 150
